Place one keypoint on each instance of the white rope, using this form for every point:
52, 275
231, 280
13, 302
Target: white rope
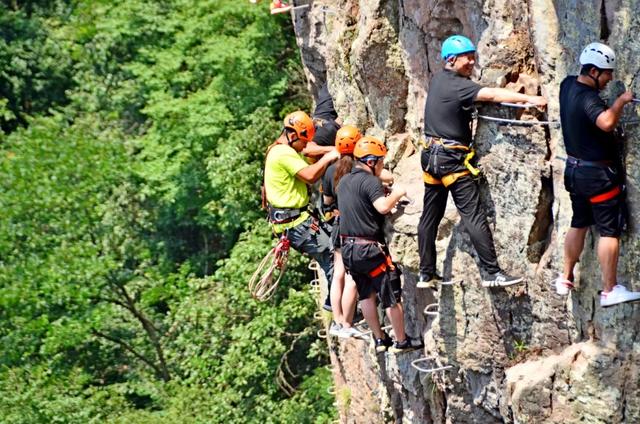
415, 365
518, 105
518, 122
450, 283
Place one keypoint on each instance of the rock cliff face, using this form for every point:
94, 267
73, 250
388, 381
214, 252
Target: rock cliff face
521, 354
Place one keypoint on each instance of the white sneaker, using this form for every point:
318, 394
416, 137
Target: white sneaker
348, 332
500, 279
563, 286
619, 294
335, 329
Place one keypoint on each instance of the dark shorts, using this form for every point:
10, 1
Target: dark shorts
359, 260
335, 234
585, 182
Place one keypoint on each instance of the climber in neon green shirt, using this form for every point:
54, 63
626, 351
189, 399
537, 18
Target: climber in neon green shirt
286, 176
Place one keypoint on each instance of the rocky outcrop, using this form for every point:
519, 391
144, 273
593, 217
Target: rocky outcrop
521, 354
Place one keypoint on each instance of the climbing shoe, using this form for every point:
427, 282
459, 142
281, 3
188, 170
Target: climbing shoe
429, 281
383, 344
407, 345
619, 294
563, 286
500, 279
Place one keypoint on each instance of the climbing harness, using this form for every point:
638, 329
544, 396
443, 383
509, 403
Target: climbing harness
431, 309
263, 284
447, 145
415, 365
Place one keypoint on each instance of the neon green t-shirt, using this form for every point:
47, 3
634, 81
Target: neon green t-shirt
284, 190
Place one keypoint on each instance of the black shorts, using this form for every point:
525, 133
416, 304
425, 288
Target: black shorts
362, 258
585, 182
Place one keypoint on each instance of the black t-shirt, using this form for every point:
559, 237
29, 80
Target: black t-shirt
580, 106
327, 186
358, 217
449, 108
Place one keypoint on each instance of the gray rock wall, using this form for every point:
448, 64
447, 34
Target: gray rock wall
521, 354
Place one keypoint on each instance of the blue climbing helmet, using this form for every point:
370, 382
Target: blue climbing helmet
455, 45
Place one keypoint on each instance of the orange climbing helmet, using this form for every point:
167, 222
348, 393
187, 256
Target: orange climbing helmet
369, 148
300, 123
346, 139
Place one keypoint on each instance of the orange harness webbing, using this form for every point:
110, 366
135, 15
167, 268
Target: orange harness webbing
606, 195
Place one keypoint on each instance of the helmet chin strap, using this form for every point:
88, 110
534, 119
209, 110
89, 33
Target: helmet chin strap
595, 80
286, 134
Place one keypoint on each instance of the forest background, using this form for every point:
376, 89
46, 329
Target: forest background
131, 146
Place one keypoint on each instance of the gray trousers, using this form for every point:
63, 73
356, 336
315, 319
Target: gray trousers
316, 244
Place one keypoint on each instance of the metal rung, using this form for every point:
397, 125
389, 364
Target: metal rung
315, 282
428, 309
415, 365
314, 266
317, 315
322, 333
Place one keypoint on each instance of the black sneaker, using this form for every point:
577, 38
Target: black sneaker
428, 281
383, 344
500, 279
407, 345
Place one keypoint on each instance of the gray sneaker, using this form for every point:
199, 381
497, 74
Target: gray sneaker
348, 332
335, 329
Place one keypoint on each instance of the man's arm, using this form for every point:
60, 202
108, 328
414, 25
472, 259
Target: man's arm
387, 177
608, 120
310, 174
499, 95
313, 149
385, 204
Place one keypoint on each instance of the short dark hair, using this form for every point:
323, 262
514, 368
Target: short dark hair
585, 69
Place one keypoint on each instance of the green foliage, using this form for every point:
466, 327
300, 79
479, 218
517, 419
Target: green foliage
133, 136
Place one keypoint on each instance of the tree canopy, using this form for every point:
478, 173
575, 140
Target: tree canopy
131, 147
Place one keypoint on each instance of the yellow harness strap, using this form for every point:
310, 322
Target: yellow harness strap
447, 180
430, 179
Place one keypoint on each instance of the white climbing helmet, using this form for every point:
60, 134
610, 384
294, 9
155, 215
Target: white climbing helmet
599, 55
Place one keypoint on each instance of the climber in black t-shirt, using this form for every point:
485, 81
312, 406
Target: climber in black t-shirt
447, 127
593, 173
326, 122
362, 205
